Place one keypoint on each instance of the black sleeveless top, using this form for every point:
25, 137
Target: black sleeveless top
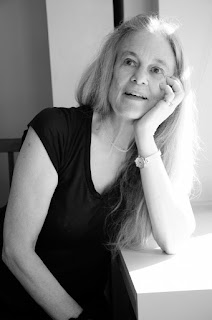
72, 242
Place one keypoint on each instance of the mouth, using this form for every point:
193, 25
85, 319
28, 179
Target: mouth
136, 95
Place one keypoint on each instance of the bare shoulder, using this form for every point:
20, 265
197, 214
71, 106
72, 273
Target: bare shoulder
34, 182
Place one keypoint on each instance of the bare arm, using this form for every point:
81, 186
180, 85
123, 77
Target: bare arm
169, 208
170, 211
34, 182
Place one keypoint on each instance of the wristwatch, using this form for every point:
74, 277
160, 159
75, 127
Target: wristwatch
142, 162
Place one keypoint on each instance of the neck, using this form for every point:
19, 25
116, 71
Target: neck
119, 131
123, 129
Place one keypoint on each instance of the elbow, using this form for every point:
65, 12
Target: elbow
7, 256
172, 242
168, 247
173, 249
13, 257
166, 243
172, 245
170, 250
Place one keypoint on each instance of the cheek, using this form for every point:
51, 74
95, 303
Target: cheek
156, 92
113, 92
120, 79
115, 88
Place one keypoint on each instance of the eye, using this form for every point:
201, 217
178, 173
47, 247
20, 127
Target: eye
157, 70
129, 62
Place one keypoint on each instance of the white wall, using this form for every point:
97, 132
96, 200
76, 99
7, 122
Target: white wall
76, 29
195, 32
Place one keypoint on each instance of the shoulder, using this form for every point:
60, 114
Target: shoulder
57, 129
61, 118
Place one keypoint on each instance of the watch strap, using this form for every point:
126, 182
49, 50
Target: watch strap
142, 162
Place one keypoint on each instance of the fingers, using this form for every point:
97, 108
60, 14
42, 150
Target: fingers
177, 88
173, 90
175, 84
169, 94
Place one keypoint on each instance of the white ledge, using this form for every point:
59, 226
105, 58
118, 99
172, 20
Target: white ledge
158, 283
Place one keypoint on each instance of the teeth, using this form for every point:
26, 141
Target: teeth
136, 94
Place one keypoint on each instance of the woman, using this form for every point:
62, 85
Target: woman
91, 180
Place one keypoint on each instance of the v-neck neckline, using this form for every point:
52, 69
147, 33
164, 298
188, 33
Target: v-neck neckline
87, 159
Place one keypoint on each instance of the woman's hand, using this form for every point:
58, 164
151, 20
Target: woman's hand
173, 95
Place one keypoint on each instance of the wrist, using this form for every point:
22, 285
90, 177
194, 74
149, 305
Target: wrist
146, 145
141, 162
146, 130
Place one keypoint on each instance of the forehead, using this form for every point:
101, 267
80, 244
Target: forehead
149, 47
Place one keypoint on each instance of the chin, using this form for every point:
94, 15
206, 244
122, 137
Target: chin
135, 113
133, 110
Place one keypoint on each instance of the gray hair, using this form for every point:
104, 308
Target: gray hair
95, 83
175, 137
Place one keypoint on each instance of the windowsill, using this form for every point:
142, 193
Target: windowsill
151, 274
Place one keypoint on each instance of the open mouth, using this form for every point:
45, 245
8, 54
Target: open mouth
136, 95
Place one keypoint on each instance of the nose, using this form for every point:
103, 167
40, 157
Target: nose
140, 76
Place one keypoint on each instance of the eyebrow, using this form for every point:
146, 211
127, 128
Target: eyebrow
128, 52
160, 61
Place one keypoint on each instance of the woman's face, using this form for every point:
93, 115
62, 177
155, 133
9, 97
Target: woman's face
143, 62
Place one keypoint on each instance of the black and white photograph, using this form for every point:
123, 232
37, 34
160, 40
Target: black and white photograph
105, 159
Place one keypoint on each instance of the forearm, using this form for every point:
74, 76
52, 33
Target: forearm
171, 221
42, 285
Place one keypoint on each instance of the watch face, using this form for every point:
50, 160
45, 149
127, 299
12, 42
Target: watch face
139, 161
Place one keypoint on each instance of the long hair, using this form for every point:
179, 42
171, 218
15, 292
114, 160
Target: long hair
175, 137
